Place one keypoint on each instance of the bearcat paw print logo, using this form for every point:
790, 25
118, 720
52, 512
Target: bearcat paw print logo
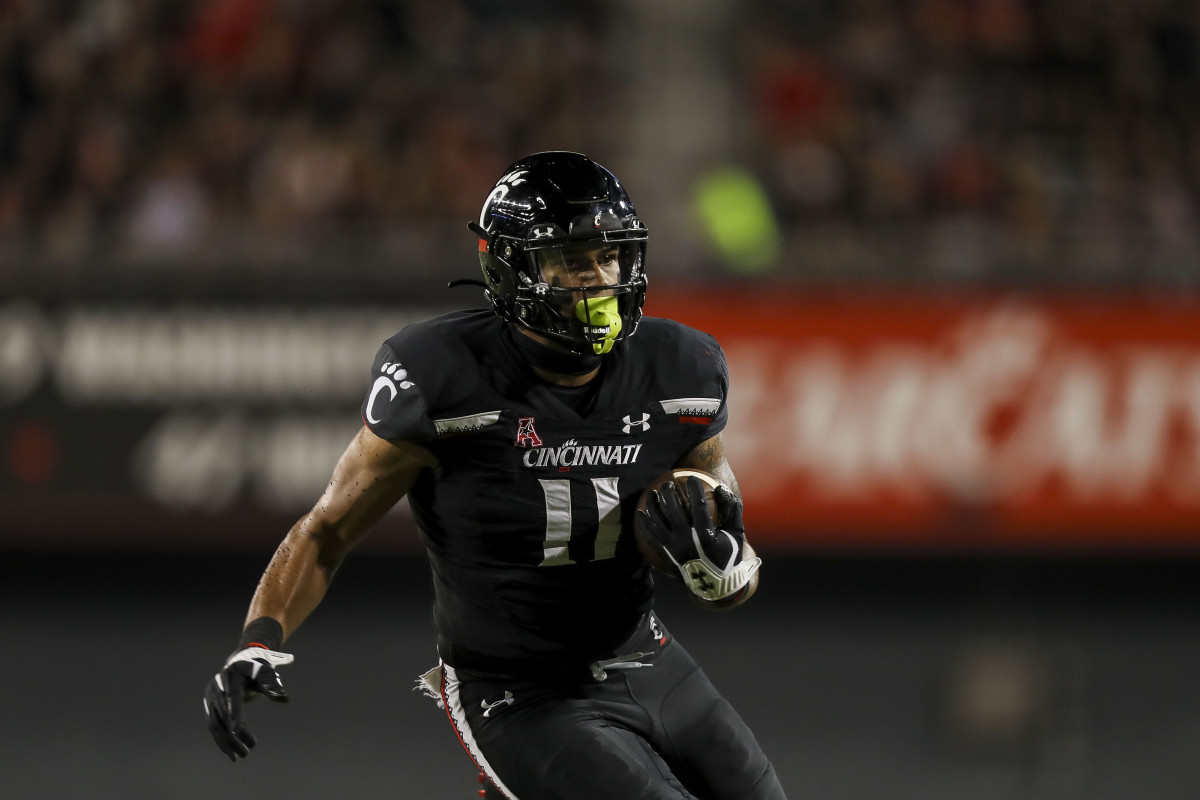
398, 374
393, 375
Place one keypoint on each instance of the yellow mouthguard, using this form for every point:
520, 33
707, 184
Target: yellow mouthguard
602, 312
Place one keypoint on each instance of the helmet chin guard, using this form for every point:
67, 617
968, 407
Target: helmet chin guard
560, 201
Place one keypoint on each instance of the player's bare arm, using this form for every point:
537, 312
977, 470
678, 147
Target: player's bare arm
371, 476
709, 456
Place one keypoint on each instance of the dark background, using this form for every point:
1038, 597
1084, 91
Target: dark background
251, 158
868, 677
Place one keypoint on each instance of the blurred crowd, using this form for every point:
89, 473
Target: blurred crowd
1029, 141
994, 141
276, 135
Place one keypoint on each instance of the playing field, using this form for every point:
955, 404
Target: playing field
889, 681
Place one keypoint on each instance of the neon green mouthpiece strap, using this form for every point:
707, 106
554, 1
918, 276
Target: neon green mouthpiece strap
603, 318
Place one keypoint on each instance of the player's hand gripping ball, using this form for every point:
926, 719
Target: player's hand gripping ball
652, 550
246, 674
689, 524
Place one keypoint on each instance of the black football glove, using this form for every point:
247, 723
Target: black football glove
246, 674
708, 556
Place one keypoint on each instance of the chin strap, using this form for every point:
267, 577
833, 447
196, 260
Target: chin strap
603, 318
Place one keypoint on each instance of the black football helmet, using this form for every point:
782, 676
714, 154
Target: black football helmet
547, 205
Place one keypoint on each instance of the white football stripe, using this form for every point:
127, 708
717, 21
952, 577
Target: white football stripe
705, 478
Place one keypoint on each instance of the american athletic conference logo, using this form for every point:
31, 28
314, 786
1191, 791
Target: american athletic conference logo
526, 435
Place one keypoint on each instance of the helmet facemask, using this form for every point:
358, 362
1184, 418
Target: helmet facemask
583, 294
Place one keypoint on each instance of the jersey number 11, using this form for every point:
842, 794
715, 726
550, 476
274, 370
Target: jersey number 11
560, 528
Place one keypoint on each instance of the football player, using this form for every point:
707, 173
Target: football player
524, 436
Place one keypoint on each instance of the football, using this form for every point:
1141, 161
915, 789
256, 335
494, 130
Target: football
679, 476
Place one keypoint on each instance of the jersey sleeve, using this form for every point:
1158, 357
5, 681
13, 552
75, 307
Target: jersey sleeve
721, 379
395, 407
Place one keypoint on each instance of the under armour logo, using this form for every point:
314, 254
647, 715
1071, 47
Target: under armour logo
543, 233
702, 581
642, 424
488, 708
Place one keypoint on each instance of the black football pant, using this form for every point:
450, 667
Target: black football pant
660, 731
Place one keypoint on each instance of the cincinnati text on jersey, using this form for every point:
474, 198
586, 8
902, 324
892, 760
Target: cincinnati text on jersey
572, 454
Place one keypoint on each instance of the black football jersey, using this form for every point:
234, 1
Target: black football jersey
528, 517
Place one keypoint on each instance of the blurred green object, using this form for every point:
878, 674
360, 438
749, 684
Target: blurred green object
739, 220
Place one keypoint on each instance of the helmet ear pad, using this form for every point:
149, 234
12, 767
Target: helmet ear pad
499, 276
495, 280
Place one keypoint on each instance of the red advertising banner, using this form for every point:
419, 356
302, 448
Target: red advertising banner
951, 422
898, 422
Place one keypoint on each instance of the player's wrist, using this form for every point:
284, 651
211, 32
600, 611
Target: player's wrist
264, 632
